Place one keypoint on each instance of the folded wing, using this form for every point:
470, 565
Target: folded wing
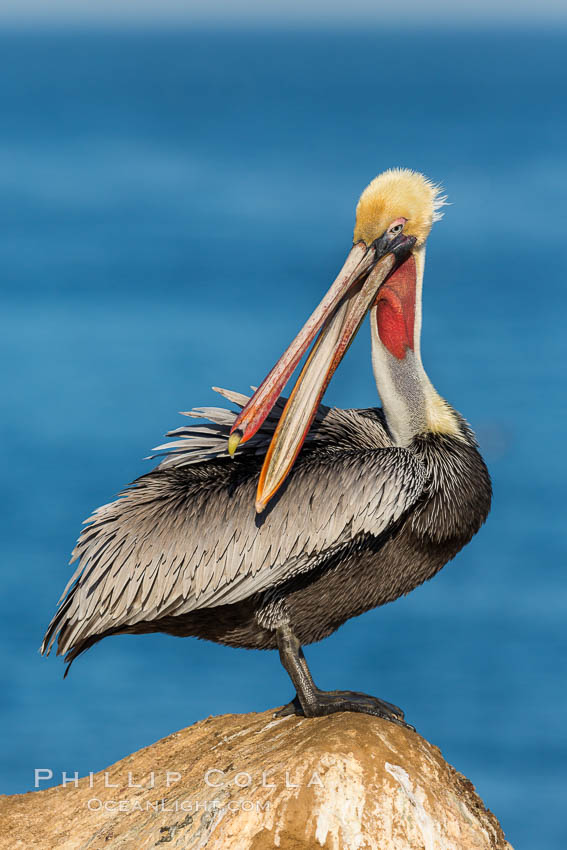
186, 535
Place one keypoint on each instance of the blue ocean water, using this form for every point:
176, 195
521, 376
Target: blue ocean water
172, 205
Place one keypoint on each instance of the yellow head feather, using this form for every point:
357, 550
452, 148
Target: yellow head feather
396, 193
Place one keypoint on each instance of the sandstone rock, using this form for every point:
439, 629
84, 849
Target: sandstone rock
252, 782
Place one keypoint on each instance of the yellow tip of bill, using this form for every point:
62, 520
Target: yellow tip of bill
233, 442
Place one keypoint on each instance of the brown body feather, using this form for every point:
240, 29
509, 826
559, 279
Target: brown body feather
359, 523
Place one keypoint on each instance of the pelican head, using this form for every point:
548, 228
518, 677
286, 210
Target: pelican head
397, 194
393, 218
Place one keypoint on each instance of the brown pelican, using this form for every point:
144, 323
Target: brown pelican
321, 514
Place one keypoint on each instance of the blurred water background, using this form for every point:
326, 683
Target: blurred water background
172, 206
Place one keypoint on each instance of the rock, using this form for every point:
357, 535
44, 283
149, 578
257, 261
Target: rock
253, 782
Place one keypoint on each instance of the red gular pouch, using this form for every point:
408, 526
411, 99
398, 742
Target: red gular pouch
395, 309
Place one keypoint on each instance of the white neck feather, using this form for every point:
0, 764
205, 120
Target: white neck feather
411, 404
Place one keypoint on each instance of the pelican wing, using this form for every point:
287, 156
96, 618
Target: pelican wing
186, 535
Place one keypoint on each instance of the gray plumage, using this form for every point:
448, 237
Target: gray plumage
358, 523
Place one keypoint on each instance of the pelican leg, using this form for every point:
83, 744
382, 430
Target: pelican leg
295, 665
313, 702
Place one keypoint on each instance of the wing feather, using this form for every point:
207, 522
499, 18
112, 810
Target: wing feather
186, 535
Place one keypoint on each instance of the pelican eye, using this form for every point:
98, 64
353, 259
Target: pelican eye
396, 228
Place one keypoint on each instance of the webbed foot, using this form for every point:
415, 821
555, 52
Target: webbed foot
322, 703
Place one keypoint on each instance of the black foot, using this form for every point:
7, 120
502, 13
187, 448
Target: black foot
329, 702
293, 707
